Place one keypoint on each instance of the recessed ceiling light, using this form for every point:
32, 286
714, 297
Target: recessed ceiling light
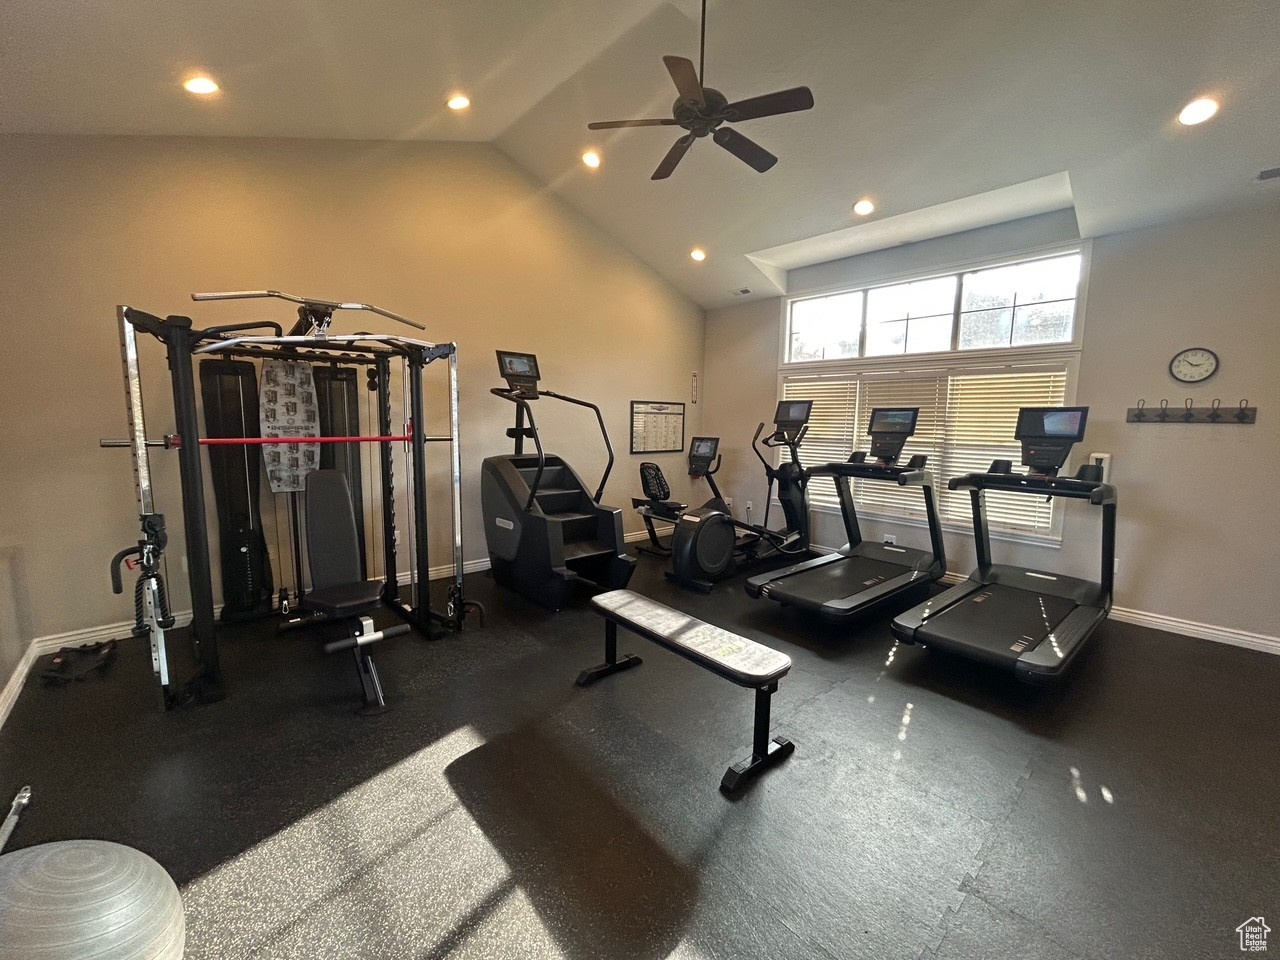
591, 159
697, 253
458, 102
864, 207
1198, 111
201, 86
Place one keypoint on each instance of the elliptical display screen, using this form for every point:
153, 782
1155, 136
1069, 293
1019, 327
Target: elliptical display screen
893, 420
792, 413
1052, 423
704, 447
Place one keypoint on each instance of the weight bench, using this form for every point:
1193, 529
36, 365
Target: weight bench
737, 659
339, 593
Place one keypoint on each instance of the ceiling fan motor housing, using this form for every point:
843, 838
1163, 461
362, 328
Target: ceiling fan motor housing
701, 120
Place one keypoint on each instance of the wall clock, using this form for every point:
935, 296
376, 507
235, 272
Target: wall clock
1193, 364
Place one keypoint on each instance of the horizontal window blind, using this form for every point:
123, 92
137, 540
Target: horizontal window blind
967, 419
927, 393
831, 425
982, 412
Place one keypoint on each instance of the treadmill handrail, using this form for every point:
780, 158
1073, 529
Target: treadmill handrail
1095, 492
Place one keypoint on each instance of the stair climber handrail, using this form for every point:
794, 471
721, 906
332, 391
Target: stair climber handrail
520, 431
603, 432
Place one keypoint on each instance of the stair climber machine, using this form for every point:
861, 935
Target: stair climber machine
545, 530
1030, 622
863, 575
657, 503
708, 544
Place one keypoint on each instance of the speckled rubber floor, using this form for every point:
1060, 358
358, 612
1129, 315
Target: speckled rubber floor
932, 809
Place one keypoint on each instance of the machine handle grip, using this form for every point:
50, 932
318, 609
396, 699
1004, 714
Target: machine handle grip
117, 585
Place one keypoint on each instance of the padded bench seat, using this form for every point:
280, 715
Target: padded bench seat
735, 658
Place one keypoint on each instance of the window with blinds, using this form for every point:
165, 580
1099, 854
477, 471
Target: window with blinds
967, 419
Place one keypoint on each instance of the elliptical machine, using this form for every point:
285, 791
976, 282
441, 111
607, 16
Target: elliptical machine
708, 544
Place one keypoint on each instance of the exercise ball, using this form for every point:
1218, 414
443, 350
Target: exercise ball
88, 900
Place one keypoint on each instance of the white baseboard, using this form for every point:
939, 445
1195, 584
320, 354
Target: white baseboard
1203, 631
9, 695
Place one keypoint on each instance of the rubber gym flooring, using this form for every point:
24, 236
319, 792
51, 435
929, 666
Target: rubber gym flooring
932, 809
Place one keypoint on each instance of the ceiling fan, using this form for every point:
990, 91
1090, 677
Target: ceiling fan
702, 110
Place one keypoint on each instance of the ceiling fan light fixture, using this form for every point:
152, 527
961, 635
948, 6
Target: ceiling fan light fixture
591, 158
201, 85
864, 207
698, 254
1198, 111
459, 101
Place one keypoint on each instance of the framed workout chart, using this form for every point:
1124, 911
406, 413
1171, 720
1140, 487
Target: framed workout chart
657, 427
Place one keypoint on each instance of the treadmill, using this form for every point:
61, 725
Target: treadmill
1030, 622
864, 575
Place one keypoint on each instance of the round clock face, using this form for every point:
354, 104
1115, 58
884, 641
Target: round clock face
1193, 365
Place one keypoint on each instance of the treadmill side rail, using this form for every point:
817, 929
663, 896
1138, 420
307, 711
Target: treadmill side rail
1054, 654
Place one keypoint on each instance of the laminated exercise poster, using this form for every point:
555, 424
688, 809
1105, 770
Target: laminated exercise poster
289, 409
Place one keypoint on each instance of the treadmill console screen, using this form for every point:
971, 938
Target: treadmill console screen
520, 370
701, 452
889, 429
1058, 423
1048, 434
894, 420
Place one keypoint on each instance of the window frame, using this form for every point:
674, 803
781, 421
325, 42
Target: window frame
1064, 356
1083, 247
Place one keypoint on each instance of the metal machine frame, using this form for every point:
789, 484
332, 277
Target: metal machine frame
307, 341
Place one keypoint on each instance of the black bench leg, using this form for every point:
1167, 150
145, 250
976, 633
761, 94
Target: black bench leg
369, 683
765, 752
611, 662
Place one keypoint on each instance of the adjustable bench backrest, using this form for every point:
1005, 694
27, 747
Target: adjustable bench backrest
333, 546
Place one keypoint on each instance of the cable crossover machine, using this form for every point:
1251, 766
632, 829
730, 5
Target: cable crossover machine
308, 341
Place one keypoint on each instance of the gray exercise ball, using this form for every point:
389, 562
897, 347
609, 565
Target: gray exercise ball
88, 900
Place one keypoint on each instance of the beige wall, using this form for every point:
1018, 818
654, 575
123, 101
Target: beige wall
1199, 523
453, 235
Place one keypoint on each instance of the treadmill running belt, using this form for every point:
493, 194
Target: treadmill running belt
834, 581
999, 621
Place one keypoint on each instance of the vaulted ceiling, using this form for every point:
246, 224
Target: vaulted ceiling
949, 115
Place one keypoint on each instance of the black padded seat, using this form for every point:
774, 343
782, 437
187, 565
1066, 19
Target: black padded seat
345, 599
340, 593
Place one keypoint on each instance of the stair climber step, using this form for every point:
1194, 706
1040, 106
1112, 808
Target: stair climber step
558, 500
583, 549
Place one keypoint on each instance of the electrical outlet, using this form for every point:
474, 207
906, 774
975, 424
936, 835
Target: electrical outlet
890, 538
728, 502
748, 506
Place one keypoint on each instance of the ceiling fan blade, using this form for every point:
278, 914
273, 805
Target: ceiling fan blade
784, 101
748, 151
674, 155
686, 79
614, 124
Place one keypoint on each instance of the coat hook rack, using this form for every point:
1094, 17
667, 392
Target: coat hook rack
1189, 413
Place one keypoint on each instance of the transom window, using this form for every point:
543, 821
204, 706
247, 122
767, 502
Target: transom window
1012, 305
